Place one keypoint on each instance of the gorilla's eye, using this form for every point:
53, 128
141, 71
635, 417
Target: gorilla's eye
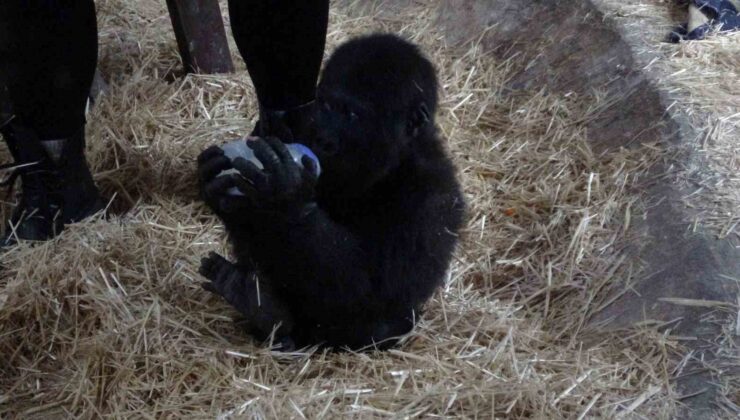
353, 116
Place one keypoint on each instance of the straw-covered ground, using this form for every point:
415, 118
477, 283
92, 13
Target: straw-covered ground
109, 318
702, 78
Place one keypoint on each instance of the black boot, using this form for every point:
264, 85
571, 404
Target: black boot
291, 125
56, 185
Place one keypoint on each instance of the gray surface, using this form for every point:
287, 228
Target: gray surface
573, 48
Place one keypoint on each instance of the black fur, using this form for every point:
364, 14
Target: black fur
348, 260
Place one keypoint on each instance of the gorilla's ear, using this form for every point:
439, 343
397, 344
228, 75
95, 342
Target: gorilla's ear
419, 118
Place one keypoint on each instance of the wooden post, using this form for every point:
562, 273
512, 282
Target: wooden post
201, 38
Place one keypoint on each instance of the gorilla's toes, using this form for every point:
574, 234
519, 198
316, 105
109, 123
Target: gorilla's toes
212, 265
284, 344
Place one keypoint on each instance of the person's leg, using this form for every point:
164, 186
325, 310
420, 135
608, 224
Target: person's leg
49, 49
48, 54
707, 15
697, 18
282, 42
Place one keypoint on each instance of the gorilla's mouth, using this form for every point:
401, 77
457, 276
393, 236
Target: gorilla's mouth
324, 148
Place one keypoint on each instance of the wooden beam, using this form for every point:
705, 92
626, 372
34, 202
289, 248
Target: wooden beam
201, 37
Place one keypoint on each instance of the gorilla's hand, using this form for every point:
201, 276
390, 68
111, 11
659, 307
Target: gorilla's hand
214, 189
283, 185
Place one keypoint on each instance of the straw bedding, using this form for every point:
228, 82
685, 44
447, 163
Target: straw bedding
701, 78
109, 318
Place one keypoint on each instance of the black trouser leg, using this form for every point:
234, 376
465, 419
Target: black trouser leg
282, 42
48, 54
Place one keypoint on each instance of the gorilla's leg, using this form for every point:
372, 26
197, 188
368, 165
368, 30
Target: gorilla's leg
48, 54
263, 311
282, 42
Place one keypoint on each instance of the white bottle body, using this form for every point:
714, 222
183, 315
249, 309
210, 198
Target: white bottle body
238, 148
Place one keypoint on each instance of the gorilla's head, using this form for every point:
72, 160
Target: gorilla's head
376, 103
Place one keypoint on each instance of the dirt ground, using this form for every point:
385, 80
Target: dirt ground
701, 78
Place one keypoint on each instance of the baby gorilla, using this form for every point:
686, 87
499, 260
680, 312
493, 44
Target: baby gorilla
346, 259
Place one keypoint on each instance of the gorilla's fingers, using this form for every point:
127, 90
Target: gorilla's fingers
219, 185
244, 185
310, 169
224, 271
216, 258
210, 168
207, 265
222, 274
251, 172
205, 269
232, 205
209, 154
266, 155
280, 149
284, 344
208, 286
220, 200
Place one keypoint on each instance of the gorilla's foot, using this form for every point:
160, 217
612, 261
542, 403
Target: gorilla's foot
264, 313
225, 280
